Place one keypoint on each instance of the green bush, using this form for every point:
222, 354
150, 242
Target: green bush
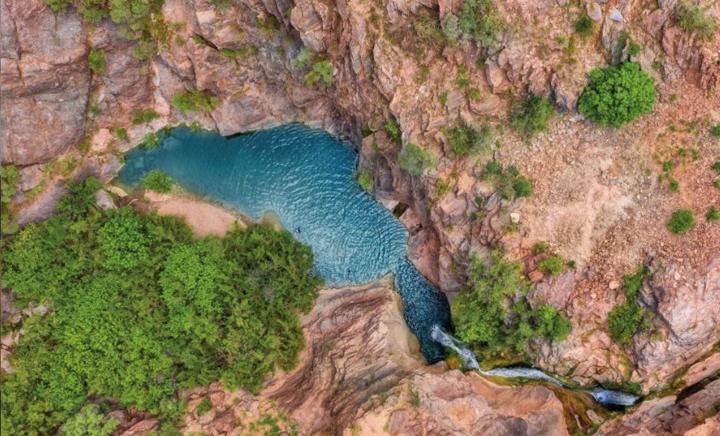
144, 116
204, 407
553, 265
321, 72
584, 26
492, 314
194, 101
79, 199
10, 175
393, 129
713, 214
508, 182
415, 160
158, 181
618, 95
626, 319
531, 115
695, 19
428, 29
716, 167
681, 221
304, 58
469, 140
58, 5
120, 133
715, 130
479, 21
89, 422
96, 61
365, 179
151, 140
140, 309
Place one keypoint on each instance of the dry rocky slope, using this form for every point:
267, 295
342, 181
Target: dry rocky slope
597, 197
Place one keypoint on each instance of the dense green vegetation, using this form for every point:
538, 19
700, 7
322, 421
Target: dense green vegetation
194, 101
158, 181
508, 182
618, 95
139, 310
695, 19
96, 61
584, 26
144, 116
393, 129
625, 320
531, 115
478, 21
493, 316
89, 422
469, 140
320, 69
415, 160
553, 265
713, 214
681, 221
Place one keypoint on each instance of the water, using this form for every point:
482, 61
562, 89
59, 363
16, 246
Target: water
606, 397
305, 177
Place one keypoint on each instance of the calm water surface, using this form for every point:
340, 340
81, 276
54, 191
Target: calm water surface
306, 178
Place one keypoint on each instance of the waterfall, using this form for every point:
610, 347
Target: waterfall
605, 397
466, 356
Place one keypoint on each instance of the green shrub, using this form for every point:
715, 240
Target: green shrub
681, 221
715, 131
553, 265
58, 5
539, 247
79, 199
713, 214
479, 21
204, 407
695, 19
626, 319
151, 140
442, 188
618, 95
716, 167
140, 309
474, 94
393, 129
469, 140
365, 179
635, 48
531, 115
89, 422
144, 116
158, 181
492, 314
304, 58
120, 133
194, 101
428, 30
96, 60
450, 27
508, 182
10, 175
415, 160
321, 72
584, 26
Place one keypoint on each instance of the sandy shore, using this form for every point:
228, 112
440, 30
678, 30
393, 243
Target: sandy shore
203, 217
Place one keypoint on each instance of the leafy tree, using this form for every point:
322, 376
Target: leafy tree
96, 60
618, 95
158, 181
415, 160
93, 10
681, 222
492, 314
80, 198
531, 115
195, 100
138, 309
89, 422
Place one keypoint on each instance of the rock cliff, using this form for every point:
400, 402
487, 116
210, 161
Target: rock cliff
598, 200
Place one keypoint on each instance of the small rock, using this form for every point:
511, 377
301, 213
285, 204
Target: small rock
117, 191
594, 11
514, 217
30, 177
101, 140
614, 285
562, 2
615, 15
536, 276
104, 201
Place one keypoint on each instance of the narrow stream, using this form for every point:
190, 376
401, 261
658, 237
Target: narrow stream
306, 178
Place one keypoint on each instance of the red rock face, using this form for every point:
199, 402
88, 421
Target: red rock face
45, 82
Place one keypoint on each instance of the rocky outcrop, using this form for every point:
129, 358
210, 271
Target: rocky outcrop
45, 82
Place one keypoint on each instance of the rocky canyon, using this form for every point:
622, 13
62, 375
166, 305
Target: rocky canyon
381, 75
